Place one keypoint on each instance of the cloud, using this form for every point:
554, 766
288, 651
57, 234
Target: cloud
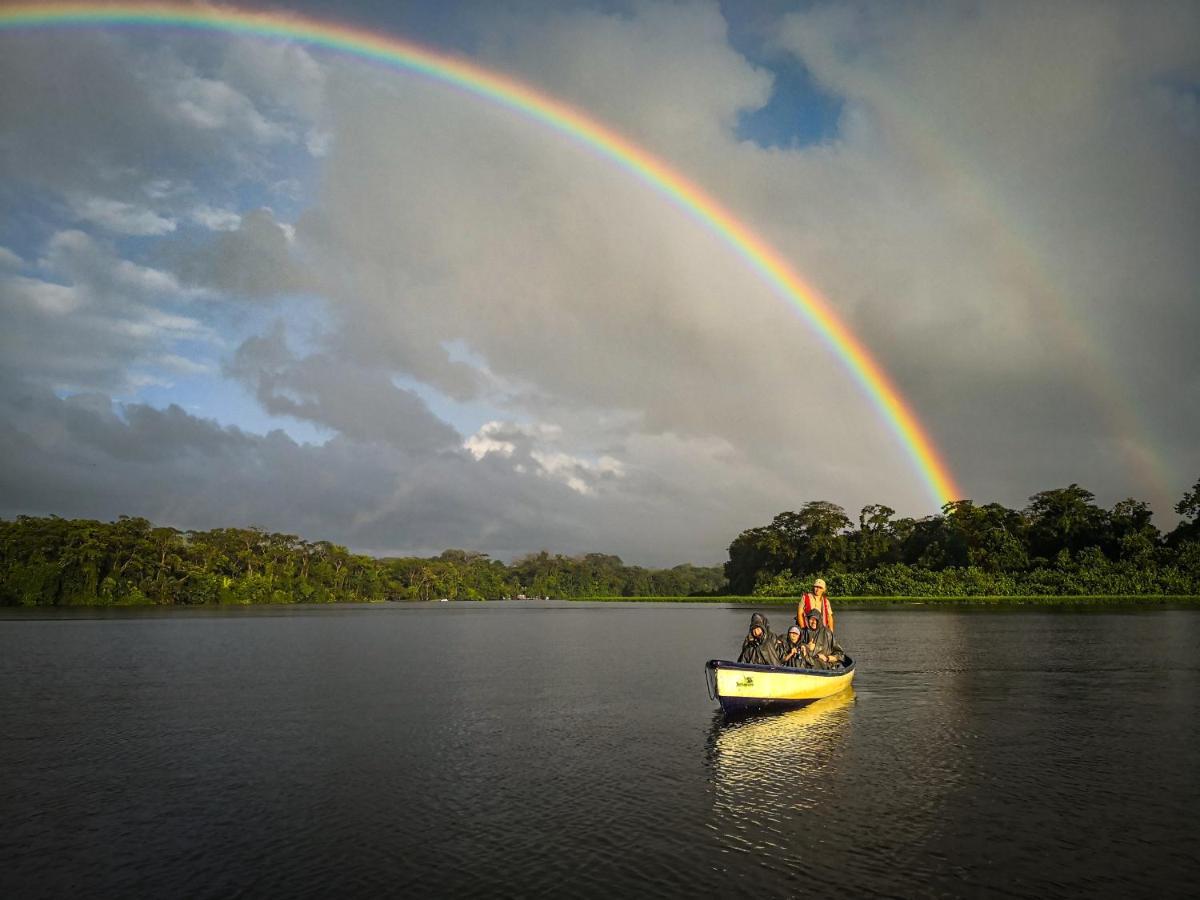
173, 362
674, 58
193, 473
212, 105
360, 403
125, 132
566, 275
533, 448
215, 219
91, 319
277, 76
1005, 216
251, 259
1037, 134
939, 223
121, 218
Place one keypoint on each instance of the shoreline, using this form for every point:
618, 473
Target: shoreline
986, 601
1076, 602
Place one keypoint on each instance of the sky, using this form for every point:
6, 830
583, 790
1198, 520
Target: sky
256, 283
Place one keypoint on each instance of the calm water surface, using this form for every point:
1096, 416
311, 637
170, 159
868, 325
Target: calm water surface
524, 749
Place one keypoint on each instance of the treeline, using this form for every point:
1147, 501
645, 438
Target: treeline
1061, 543
76, 562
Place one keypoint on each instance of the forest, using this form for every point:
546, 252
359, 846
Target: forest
51, 561
1062, 543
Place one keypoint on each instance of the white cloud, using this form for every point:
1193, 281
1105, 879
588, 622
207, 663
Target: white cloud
215, 219
483, 442
45, 297
93, 321
276, 76
213, 105
534, 447
10, 260
183, 365
501, 437
121, 218
579, 474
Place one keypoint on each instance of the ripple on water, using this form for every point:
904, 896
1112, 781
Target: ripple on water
482, 750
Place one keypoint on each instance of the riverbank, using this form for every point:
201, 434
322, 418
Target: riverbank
1092, 600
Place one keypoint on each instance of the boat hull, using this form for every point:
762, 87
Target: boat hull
742, 687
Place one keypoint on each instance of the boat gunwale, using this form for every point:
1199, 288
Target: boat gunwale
715, 664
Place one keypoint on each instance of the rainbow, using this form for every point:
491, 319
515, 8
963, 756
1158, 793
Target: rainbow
1025, 262
556, 115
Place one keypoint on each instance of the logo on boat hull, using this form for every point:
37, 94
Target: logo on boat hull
746, 682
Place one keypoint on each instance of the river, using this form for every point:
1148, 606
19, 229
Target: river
534, 749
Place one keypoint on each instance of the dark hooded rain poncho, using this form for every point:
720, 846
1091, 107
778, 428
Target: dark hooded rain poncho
819, 640
792, 655
762, 650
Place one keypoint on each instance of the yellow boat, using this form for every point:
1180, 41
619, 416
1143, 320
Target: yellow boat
743, 687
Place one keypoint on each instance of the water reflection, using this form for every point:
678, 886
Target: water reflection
974, 760
771, 775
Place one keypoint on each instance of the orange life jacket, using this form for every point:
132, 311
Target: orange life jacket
809, 602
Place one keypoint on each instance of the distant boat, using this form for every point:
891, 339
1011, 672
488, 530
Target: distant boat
743, 687
443, 599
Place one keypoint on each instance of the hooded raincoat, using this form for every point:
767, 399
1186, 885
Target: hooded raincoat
791, 655
819, 642
762, 650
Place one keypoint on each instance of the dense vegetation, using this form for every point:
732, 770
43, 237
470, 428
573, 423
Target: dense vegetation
68, 562
1061, 543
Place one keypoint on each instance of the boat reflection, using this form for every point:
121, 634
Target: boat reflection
770, 774
795, 743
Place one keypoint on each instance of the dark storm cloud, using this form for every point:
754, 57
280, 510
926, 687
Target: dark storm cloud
360, 403
81, 456
1007, 215
253, 260
76, 113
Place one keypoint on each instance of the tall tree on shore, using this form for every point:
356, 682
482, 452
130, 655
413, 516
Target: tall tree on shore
1189, 509
1064, 519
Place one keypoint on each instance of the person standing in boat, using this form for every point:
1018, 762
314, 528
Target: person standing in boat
760, 648
821, 649
791, 649
819, 600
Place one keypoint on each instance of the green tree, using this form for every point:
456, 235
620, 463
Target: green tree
875, 543
1131, 535
1064, 519
1189, 509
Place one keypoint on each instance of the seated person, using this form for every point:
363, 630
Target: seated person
821, 649
791, 649
760, 647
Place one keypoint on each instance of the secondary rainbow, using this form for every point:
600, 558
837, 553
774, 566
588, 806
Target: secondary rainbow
501, 89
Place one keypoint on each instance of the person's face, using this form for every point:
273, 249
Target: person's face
813, 622
818, 590
794, 637
756, 631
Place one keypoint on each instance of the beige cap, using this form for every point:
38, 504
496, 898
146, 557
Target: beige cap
820, 582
